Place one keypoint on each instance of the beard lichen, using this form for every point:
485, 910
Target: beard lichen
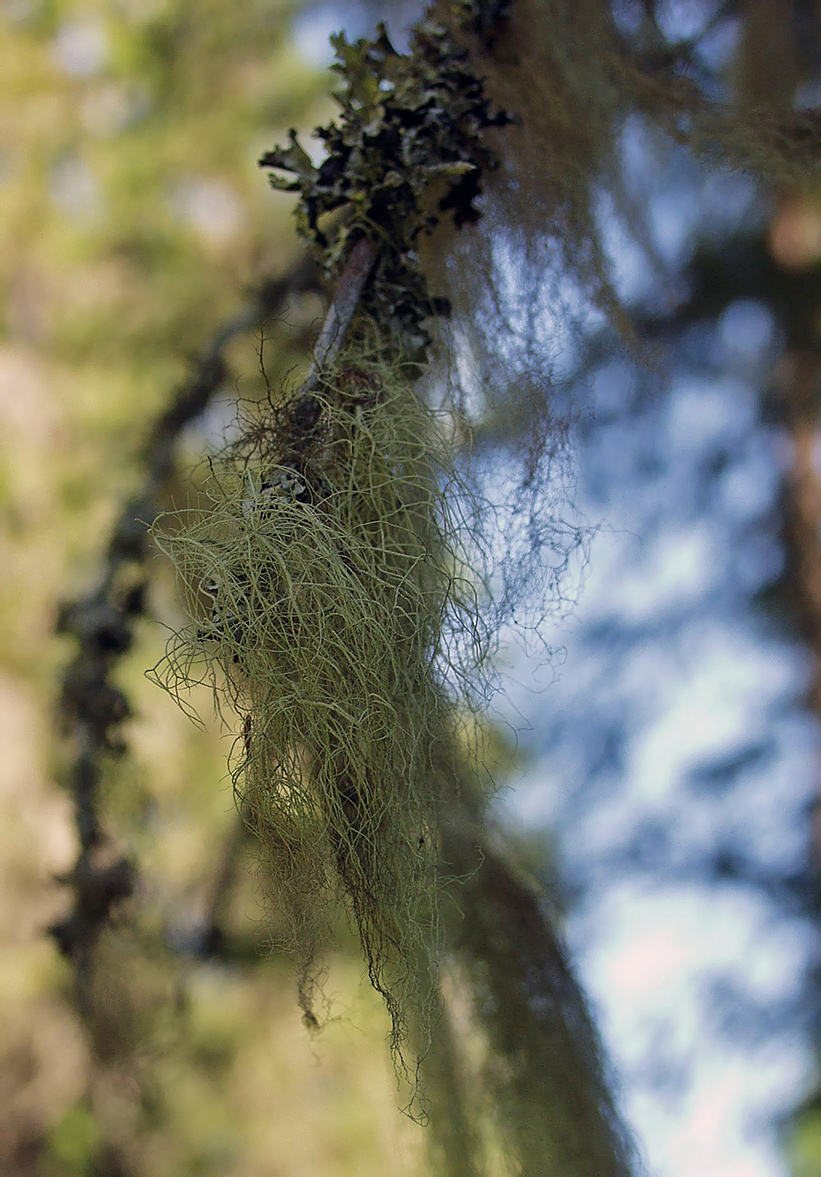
326, 580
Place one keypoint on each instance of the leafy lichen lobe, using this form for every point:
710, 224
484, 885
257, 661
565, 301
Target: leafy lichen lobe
408, 148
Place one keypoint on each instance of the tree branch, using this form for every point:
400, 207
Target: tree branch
355, 274
92, 708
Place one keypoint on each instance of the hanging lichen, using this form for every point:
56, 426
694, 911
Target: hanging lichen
574, 75
329, 567
570, 77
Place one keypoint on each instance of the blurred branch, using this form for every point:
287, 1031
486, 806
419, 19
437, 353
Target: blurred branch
547, 1076
741, 268
212, 940
799, 386
92, 708
647, 858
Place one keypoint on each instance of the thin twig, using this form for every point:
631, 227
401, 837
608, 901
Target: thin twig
355, 274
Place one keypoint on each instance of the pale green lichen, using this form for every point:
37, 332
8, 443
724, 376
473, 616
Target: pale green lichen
326, 580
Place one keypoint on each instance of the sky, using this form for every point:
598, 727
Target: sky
670, 724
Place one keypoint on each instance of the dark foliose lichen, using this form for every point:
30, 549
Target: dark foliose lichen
407, 150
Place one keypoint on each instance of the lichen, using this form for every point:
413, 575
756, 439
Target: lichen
407, 150
327, 581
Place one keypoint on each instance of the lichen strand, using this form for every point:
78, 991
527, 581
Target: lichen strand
407, 149
324, 580
572, 82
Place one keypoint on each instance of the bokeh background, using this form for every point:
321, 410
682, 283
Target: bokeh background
661, 767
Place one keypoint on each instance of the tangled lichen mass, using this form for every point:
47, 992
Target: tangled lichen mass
329, 586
